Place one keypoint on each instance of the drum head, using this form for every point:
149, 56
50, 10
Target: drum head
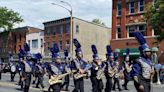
13, 68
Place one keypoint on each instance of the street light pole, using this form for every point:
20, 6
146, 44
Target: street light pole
71, 28
71, 25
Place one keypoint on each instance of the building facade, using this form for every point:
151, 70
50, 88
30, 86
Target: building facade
12, 41
36, 41
19, 35
7, 44
127, 16
87, 33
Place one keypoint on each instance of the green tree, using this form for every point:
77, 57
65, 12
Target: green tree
8, 18
154, 15
98, 21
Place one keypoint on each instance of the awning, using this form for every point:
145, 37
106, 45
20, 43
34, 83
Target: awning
133, 52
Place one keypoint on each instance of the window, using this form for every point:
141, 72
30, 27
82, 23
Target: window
29, 42
60, 44
77, 28
54, 30
35, 43
141, 28
48, 45
131, 30
155, 32
54, 42
19, 46
154, 2
141, 4
131, 7
15, 38
67, 28
20, 37
67, 42
41, 41
119, 9
61, 30
118, 33
48, 32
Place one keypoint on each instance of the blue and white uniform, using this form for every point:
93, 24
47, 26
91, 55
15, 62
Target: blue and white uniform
97, 71
78, 64
119, 70
142, 67
1, 67
142, 70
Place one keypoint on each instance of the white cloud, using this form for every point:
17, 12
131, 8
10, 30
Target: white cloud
35, 12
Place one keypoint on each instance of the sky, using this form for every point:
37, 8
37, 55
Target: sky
35, 12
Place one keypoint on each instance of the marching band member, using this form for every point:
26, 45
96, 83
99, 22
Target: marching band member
97, 71
20, 65
47, 69
142, 69
110, 69
119, 69
28, 67
56, 69
12, 67
1, 68
127, 69
39, 71
34, 75
65, 85
80, 65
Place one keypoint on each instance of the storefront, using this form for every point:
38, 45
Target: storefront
134, 53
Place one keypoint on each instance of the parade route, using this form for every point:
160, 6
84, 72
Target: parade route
7, 86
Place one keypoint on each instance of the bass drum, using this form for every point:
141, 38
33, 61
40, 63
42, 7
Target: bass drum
13, 68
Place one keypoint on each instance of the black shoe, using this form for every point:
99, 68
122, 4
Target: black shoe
37, 87
120, 89
113, 89
42, 87
66, 89
126, 89
33, 82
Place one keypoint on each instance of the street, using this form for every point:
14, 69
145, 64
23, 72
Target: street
7, 86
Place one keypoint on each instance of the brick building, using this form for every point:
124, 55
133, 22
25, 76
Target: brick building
12, 41
20, 36
7, 44
127, 15
87, 33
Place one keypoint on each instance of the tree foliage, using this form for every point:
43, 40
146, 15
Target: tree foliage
98, 21
8, 18
154, 15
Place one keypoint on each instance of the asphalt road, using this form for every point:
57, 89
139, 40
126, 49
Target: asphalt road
7, 86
